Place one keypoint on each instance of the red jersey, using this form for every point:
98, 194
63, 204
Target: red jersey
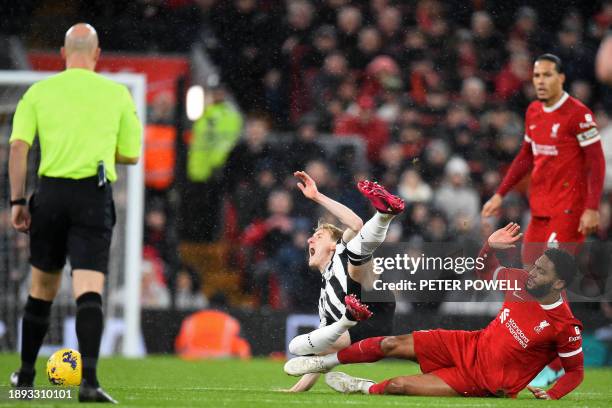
525, 337
557, 135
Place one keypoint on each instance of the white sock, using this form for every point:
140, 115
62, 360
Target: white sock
331, 360
319, 340
365, 386
371, 235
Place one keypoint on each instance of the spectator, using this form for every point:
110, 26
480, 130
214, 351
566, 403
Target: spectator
188, 292
349, 24
488, 43
365, 124
413, 189
368, 48
455, 198
474, 94
515, 74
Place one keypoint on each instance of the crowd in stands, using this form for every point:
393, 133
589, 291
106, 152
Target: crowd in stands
436, 91
436, 94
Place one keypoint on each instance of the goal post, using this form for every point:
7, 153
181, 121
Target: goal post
122, 297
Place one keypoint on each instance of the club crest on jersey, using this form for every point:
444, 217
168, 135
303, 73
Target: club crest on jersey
554, 130
543, 324
504, 315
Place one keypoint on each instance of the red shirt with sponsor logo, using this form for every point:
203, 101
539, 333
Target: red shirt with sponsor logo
525, 336
557, 135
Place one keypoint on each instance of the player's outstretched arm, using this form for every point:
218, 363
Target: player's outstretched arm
346, 216
520, 167
305, 383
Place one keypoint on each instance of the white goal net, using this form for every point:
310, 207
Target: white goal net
122, 294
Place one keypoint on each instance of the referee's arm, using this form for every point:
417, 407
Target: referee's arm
129, 140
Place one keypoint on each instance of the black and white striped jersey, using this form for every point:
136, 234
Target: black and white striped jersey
334, 282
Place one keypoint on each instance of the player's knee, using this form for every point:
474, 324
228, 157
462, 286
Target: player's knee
398, 346
389, 344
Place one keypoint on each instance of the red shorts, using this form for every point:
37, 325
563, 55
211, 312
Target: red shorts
543, 231
451, 356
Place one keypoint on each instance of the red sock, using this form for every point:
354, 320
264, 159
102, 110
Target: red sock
379, 388
364, 351
556, 364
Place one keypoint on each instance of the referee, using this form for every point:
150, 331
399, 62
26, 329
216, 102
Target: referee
85, 124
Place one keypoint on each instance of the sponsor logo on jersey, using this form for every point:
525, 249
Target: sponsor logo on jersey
504, 315
516, 332
574, 338
543, 324
554, 130
544, 150
588, 122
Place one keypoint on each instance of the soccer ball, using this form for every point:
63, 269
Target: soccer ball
64, 367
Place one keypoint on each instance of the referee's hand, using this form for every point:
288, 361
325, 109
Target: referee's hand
20, 217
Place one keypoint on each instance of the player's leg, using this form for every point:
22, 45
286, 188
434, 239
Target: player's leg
48, 234
419, 385
535, 240
87, 286
321, 340
374, 231
365, 351
35, 323
93, 218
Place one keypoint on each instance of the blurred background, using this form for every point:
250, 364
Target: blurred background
427, 97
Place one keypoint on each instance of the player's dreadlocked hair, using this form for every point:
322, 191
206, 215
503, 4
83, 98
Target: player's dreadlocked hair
565, 264
335, 232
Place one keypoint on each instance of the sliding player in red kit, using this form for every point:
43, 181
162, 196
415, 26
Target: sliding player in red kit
562, 152
533, 327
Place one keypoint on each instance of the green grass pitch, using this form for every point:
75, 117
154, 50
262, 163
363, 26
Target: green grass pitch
166, 381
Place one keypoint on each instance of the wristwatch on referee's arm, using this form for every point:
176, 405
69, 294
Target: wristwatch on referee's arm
19, 201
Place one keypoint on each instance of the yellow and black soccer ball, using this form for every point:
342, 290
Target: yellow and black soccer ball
64, 368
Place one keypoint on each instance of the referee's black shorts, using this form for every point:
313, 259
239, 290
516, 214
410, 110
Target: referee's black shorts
74, 219
380, 324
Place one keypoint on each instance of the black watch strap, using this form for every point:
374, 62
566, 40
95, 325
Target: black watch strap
19, 201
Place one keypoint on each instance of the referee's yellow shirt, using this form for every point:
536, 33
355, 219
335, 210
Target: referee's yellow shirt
81, 118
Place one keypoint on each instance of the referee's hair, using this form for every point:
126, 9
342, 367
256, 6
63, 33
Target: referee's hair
565, 264
552, 58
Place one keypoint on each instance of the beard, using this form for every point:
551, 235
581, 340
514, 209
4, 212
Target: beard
540, 291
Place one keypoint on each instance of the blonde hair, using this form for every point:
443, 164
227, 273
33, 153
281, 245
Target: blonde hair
335, 232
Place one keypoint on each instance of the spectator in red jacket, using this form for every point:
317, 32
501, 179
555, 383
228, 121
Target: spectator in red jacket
365, 124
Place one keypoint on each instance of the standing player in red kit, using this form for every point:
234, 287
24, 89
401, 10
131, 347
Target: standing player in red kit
533, 327
562, 152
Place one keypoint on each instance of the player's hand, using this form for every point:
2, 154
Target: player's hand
589, 222
538, 393
506, 237
492, 207
20, 218
307, 185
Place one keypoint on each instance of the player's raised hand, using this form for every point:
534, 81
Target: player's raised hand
492, 206
538, 393
307, 185
589, 221
506, 237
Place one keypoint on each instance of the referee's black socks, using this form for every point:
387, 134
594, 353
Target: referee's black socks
34, 327
89, 326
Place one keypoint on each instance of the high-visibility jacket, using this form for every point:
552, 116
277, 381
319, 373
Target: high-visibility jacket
211, 334
159, 156
214, 136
